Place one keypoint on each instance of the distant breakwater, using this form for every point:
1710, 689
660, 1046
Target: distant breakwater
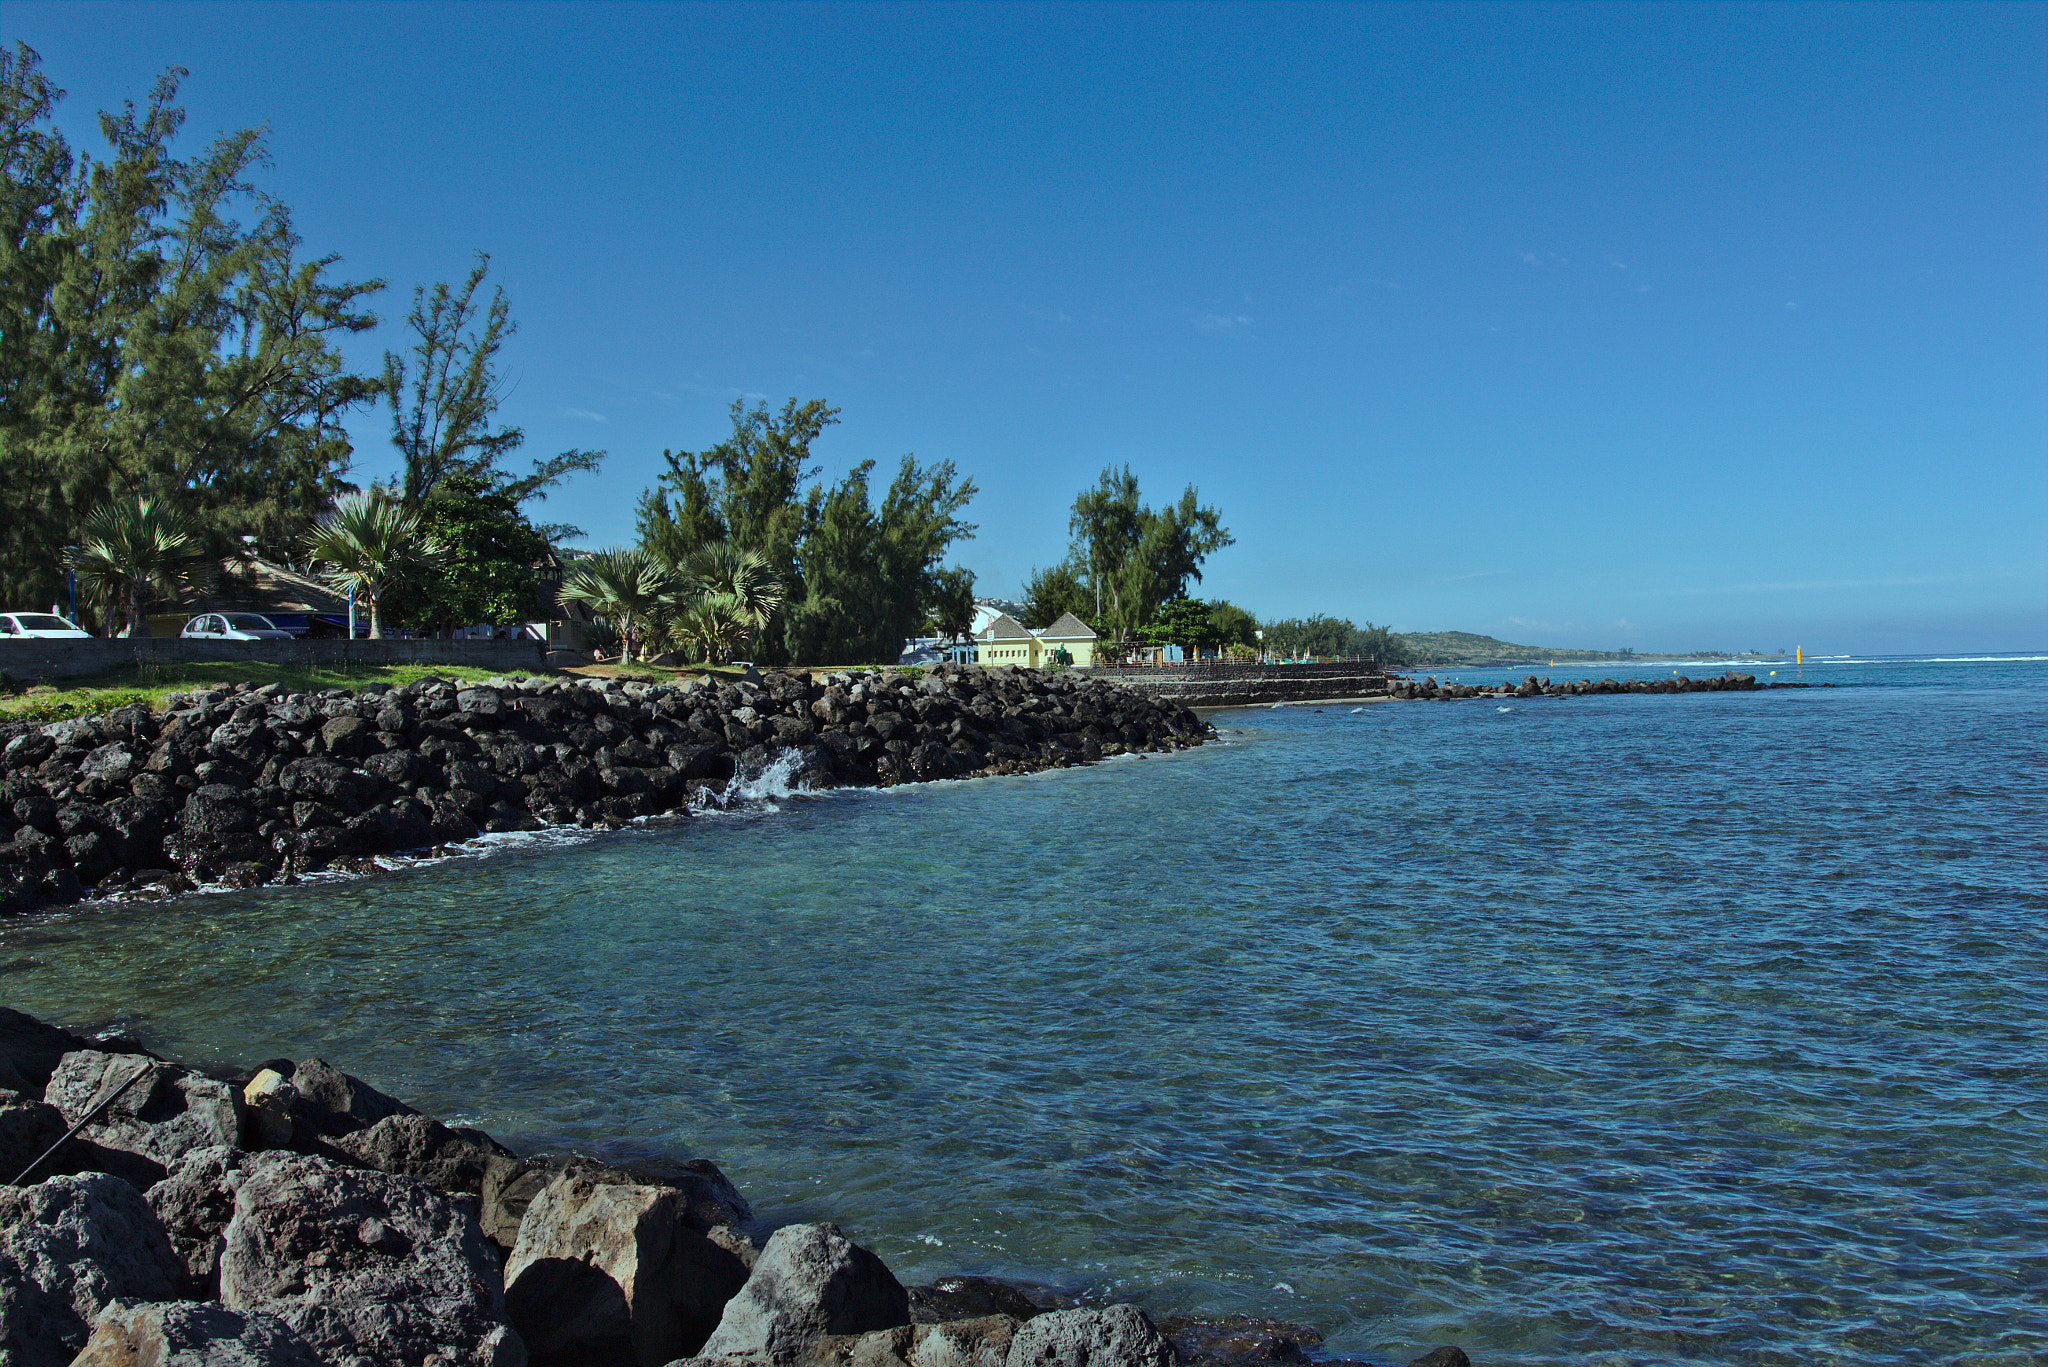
247, 785
1428, 689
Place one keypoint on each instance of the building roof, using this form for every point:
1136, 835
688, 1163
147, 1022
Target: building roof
1004, 627
1067, 628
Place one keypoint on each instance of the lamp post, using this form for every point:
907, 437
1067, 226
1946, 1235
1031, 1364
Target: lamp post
1260, 632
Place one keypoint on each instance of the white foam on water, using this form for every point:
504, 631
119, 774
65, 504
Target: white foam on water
765, 791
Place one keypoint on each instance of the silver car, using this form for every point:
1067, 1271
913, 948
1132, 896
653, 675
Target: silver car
37, 624
233, 626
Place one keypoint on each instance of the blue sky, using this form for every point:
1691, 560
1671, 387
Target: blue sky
1666, 326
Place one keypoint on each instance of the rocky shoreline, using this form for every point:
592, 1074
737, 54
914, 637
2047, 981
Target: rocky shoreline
291, 1215
1428, 689
247, 785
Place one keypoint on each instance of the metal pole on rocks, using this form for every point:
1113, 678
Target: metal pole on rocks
85, 1120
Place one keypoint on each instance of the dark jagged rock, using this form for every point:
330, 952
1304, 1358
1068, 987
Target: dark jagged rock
368, 1268
246, 785
192, 1334
69, 1247
811, 1281
610, 1272
966, 1298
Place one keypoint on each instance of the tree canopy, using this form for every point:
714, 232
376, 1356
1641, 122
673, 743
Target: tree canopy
161, 335
862, 577
1126, 558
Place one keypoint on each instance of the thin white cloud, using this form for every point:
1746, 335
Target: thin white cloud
584, 413
1220, 323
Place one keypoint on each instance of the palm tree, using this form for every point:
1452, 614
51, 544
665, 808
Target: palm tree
135, 549
365, 543
731, 594
625, 586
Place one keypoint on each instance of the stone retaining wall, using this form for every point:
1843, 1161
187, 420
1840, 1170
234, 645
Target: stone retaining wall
1249, 685
35, 660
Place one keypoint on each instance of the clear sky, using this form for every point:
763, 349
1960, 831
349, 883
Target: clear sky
1667, 326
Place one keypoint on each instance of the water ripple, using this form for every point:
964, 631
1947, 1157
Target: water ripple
1683, 1029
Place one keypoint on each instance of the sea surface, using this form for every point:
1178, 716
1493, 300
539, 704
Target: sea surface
1707, 1028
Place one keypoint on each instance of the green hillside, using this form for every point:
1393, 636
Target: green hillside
1466, 648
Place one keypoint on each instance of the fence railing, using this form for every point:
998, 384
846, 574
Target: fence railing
1342, 664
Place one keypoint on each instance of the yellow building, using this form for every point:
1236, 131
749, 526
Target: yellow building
1000, 639
1071, 634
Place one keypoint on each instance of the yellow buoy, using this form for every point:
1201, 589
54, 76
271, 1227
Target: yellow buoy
1799, 655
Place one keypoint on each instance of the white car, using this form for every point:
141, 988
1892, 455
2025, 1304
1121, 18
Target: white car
38, 624
233, 626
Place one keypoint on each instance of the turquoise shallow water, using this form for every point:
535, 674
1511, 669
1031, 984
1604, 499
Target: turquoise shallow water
1704, 1028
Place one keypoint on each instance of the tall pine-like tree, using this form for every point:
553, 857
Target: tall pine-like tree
164, 337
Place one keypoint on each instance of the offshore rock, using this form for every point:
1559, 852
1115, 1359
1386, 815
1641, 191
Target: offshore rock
370, 1269
811, 1281
605, 1272
966, 1298
70, 1246
192, 1334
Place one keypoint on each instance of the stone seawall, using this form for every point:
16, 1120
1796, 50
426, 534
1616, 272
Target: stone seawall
254, 784
285, 1214
1249, 685
34, 660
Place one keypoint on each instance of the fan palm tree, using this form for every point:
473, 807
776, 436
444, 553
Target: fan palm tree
625, 586
135, 549
368, 541
729, 595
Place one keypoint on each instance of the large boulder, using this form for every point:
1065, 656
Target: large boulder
337, 1103
1113, 1336
612, 1273
422, 1147
811, 1281
34, 1048
710, 1200
69, 1246
981, 1342
194, 1204
27, 1130
371, 1269
192, 1334
510, 1184
166, 1114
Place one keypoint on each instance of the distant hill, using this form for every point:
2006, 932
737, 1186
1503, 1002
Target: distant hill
1465, 648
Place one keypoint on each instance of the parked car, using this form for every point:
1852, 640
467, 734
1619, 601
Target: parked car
233, 626
42, 624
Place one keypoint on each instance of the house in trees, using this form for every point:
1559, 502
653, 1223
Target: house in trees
1072, 635
1000, 639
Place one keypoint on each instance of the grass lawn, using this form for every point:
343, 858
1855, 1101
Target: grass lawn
150, 683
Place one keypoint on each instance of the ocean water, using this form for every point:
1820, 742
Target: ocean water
1706, 1028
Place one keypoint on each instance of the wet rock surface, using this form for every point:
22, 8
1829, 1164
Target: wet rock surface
250, 785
